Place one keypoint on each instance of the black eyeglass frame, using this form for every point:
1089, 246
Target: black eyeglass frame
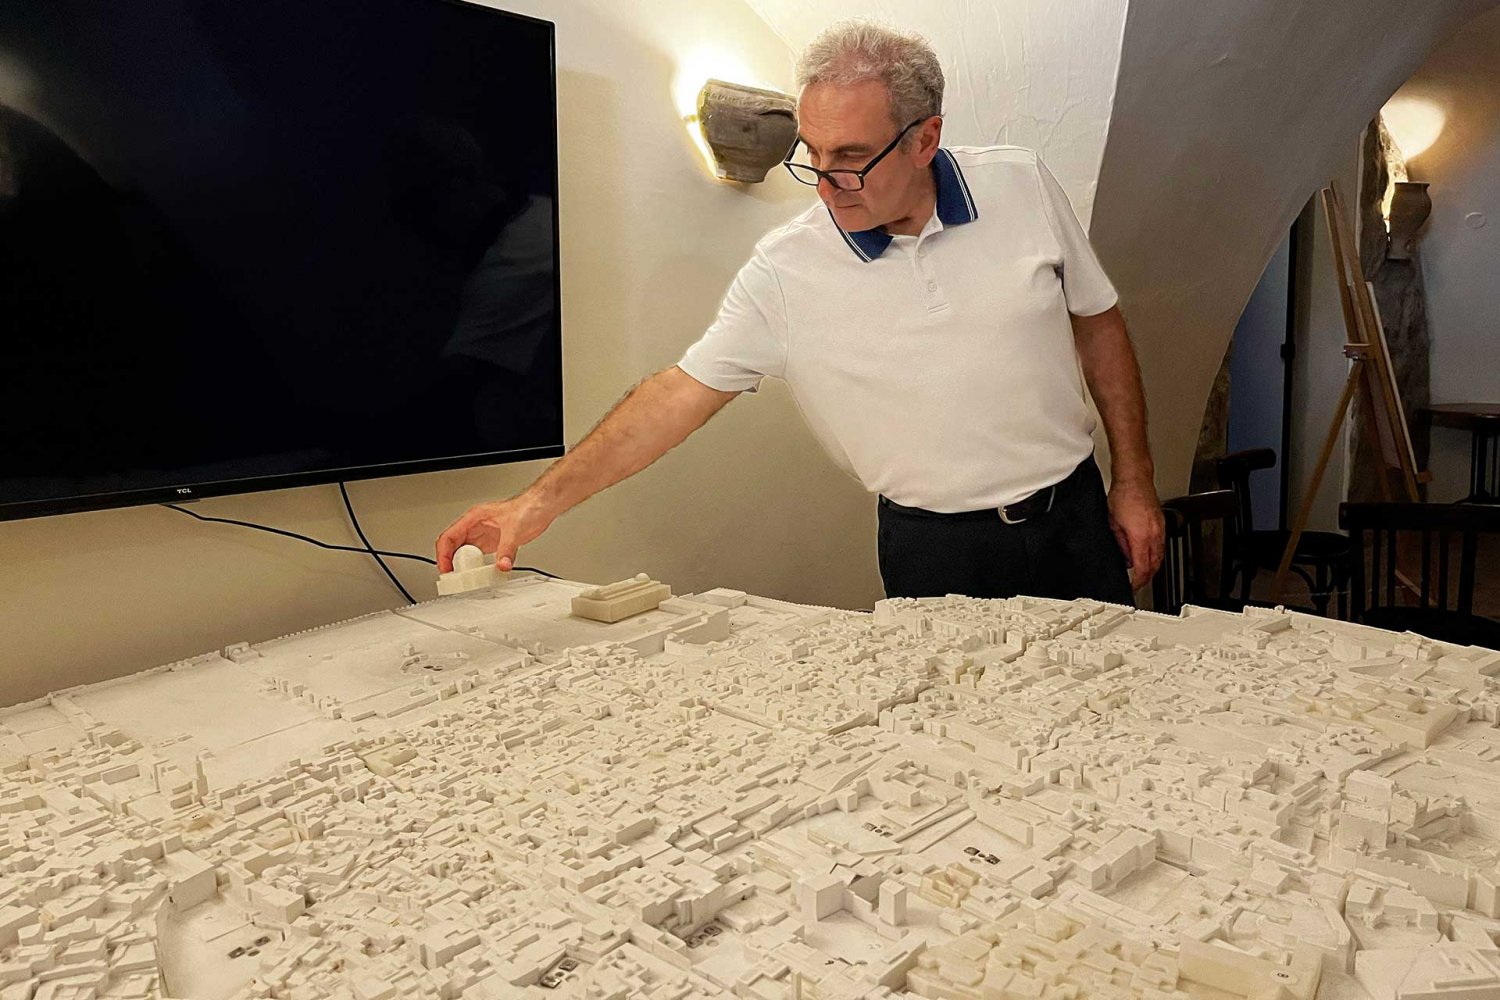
858, 175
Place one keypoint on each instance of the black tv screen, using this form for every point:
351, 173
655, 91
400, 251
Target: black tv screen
257, 245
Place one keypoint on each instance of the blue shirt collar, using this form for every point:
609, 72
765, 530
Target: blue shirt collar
955, 206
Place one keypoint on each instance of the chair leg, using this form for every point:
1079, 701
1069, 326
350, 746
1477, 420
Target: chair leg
1322, 592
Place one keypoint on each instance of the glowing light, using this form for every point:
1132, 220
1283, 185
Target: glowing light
1414, 122
1395, 172
695, 133
698, 65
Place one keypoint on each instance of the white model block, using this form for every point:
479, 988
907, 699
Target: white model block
1241, 974
617, 601
1371, 789
723, 596
192, 879
1362, 828
1446, 972
820, 896
472, 570
893, 903
279, 905
12, 919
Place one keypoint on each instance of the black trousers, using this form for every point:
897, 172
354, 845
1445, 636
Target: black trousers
1067, 552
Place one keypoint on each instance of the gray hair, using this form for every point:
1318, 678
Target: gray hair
854, 51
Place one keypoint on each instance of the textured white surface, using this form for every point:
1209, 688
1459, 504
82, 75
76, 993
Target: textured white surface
482, 797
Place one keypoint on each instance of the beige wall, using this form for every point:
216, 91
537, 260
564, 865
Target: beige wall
1457, 93
650, 241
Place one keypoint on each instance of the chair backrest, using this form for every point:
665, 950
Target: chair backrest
1169, 585
1234, 474
1402, 573
1183, 578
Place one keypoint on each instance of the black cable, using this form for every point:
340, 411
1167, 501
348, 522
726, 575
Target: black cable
349, 506
335, 548
300, 538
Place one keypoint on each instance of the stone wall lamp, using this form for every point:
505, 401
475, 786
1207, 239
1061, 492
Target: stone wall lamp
748, 130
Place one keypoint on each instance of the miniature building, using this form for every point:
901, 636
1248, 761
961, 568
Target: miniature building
472, 570
485, 796
618, 601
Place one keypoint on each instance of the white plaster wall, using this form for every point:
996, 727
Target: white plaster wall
650, 242
1226, 118
1460, 84
1033, 73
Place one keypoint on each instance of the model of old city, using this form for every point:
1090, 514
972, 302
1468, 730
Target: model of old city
503, 793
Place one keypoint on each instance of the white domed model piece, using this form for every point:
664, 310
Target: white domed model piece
472, 570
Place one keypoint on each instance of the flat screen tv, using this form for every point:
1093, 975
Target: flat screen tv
247, 246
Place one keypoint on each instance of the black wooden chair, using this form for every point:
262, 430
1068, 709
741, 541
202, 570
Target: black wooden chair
1321, 559
1404, 576
1186, 568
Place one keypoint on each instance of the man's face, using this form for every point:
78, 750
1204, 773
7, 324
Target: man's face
844, 128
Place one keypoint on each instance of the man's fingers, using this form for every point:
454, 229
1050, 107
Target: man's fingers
505, 556
1150, 547
449, 542
1157, 543
1142, 538
1140, 568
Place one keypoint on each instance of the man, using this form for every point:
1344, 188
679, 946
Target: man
931, 317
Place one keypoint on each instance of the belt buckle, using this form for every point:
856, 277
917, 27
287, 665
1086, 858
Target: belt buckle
1007, 519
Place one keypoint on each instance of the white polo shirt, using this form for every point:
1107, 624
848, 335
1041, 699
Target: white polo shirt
938, 369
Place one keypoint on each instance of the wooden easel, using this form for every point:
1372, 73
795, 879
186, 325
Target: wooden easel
1371, 372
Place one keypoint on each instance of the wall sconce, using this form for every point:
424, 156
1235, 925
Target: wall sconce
748, 130
1410, 206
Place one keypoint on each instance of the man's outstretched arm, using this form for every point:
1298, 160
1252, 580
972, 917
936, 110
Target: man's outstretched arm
652, 419
1114, 378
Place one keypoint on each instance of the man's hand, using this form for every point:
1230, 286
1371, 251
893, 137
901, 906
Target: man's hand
653, 418
501, 526
1135, 515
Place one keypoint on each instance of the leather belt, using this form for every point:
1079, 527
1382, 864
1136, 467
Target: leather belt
1019, 512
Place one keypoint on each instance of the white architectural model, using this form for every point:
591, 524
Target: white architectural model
472, 570
615, 602
484, 797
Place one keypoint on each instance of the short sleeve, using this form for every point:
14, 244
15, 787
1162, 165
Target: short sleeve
1086, 288
748, 339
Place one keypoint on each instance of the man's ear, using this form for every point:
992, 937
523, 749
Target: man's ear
930, 137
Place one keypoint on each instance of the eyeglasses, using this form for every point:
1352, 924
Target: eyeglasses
847, 180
